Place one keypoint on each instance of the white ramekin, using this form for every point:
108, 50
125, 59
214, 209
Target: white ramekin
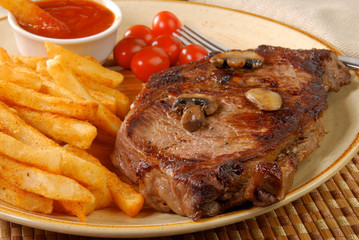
99, 46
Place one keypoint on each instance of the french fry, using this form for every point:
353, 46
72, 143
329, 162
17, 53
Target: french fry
60, 71
70, 130
53, 89
62, 162
123, 194
27, 80
26, 200
84, 66
35, 17
12, 124
46, 184
16, 95
106, 100
30, 61
73, 208
81, 170
103, 199
71, 165
122, 101
34, 156
4, 56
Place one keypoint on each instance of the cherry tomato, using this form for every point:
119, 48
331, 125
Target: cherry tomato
126, 49
192, 53
149, 60
140, 31
165, 22
170, 44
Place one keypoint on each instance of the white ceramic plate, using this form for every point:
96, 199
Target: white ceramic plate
236, 30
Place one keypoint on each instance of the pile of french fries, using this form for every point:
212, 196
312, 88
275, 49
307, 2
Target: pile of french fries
51, 110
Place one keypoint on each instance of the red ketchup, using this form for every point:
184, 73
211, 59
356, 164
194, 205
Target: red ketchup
84, 18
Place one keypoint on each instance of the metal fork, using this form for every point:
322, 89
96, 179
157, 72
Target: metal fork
188, 35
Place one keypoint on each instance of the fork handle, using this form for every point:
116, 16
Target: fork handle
349, 61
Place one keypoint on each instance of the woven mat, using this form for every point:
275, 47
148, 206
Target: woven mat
329, 212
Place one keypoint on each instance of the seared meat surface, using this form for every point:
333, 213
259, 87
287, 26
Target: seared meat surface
238, 152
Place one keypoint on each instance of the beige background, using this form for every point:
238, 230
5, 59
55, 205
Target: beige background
335, 21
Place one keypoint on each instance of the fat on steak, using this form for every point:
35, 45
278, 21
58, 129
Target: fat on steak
201, 139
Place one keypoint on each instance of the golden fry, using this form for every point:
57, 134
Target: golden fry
53, 89
122, 101
16, 95
70, 130
31, 14
103, 199
30, 61
62, 162
123, 194
106, 100
71, 165
43, 183
86, 67
4, 56
24, 79
13, 125
26, 200
104, 119
34, 156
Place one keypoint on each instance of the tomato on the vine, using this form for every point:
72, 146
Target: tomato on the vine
140, 31
126, 49
171, 44
149, 60
191, 53
165, 22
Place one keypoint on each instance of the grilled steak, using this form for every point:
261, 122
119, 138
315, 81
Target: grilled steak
197, 143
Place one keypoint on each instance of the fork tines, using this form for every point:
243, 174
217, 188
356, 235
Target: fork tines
188, 35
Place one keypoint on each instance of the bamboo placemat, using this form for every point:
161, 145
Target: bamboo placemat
329, 212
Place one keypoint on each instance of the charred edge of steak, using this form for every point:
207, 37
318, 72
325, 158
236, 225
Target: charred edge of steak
209, 192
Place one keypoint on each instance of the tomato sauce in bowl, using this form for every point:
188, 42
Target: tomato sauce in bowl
84, 18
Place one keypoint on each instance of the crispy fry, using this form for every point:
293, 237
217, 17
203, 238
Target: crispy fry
13, 125
51, 88
43, 183
24, 79
62, 162
74, 208
106, 100
16, 95
33, 16
71, 165
30, 61
83, 171
34, 156
103, 199
76, 132
26, 200
123, 194
4, 56
122, 101
60, 71
84, 66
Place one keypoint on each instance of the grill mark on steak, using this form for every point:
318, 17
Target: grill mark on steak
240, 154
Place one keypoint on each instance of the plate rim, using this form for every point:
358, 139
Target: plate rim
50, 223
